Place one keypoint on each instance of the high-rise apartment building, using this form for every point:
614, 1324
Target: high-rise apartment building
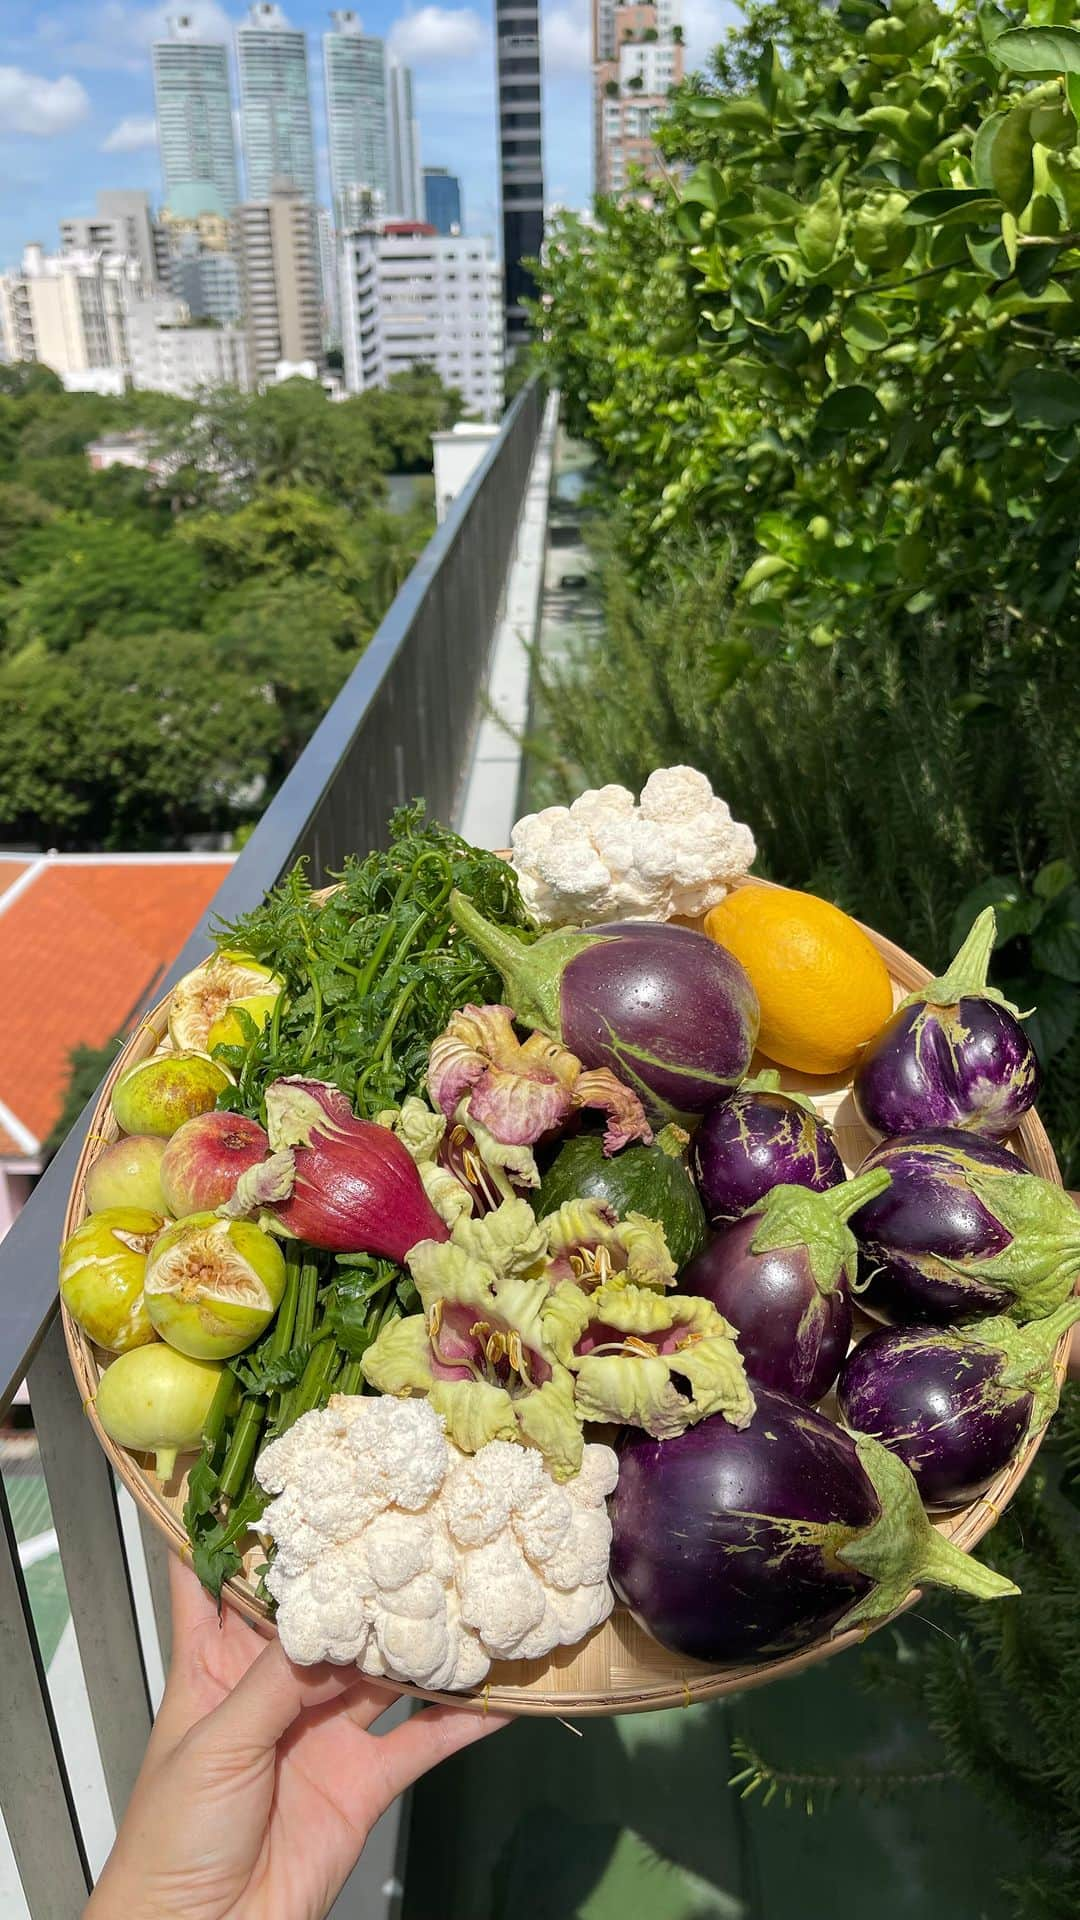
68, 311
275, 102
170, 355
442, 200
521, 154
207, 281
357, 116
194, 112
638, 58
405, 196
410, 297
278, 247
122, 224
328, 276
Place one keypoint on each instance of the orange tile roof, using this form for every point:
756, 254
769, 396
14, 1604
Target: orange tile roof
83, 941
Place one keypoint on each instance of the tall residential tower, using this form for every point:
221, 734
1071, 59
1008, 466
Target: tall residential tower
194, 113
521, 154
637, 60
275, 103
357, 122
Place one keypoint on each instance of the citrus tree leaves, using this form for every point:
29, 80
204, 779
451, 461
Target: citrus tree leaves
874, 267
1039, 49
1046, 398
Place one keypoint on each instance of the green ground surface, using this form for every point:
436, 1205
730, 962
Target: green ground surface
635, 1820
31, 1515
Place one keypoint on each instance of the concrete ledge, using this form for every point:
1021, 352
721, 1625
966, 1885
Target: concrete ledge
490, 805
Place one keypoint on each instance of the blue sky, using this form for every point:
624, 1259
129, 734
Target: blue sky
77, 104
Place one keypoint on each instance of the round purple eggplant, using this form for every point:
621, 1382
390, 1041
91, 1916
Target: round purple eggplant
954, 1054
758, 1139
964, 1230
670, 1013
781, 1276
954, 1403
732, 1546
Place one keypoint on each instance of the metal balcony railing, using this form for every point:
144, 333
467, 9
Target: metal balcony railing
402, 725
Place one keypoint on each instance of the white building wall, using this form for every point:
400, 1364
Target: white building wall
170, 356
68, 310
420, 299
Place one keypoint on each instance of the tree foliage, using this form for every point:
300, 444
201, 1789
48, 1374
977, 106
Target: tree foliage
850, 336
169, 637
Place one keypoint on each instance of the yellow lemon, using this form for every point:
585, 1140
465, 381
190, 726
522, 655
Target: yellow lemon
823, 987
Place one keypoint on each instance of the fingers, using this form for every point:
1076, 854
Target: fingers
272, 1694
426, 1738
192, 1606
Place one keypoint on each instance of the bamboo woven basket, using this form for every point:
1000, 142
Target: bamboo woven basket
618, 1669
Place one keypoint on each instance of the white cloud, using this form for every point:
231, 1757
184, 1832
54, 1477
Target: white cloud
131, 135
118, 36
435, 33
31, 104
565, 40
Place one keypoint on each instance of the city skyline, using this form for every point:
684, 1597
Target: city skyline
79, 107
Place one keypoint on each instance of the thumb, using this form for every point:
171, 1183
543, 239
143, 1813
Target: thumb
270, 1696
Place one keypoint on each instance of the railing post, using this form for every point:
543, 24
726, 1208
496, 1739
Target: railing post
82, 1495
35, 1793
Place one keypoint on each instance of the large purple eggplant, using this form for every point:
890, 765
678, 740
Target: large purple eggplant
953, 1055
954, 1403
733, 1546
781, 1276
964, 1230
758, 1139
668, 1011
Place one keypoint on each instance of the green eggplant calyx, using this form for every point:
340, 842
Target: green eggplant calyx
768, 1081
798, 1217
902, 1550
966, 972
531, 970
1028, 1354
1040, 1265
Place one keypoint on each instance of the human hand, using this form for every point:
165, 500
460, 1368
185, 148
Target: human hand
262, 1780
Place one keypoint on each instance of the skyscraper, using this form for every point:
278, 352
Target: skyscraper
637, 60
275, 103
278, 245
521, 153
406, 196
357, 121
442, 200
194, 112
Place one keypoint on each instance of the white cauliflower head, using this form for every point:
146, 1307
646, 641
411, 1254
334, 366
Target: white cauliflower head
422, 1563
675, 853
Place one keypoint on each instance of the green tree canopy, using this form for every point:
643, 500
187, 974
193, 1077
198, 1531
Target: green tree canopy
104, 575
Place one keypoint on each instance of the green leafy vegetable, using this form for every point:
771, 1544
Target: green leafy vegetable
373, 973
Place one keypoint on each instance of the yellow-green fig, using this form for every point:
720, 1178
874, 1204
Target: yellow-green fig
128, 1174
156, 1400
102, 1275
202, 996
158, 1095
228, 1029
213, 1285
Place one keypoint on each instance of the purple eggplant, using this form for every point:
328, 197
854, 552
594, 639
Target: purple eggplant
953, 1055
669, 1012
963, 1231
758, 1139
954, 1403
781, 1276
732, 1546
